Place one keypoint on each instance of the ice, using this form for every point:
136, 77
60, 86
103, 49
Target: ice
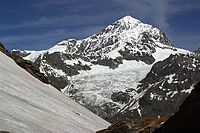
103, 81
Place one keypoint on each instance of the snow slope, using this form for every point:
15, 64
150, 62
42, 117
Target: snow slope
28, 105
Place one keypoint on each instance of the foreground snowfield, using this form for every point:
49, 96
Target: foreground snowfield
28, 105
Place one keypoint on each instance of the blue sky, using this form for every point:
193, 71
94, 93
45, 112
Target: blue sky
40, 24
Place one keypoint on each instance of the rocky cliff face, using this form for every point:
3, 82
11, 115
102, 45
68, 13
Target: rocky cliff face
164, 88
146, 125
197, 52
187, 118
129, 69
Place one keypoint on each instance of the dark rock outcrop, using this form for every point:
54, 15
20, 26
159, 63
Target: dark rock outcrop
120, 97
187, 119
52, 62
25, 64
147, 125
197, 52
20, 53
169, 81
5, 132
148, 59
112, 63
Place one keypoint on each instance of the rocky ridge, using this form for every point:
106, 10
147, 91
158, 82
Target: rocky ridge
25, 64
164, 88
146, 125
187, 118
197, 52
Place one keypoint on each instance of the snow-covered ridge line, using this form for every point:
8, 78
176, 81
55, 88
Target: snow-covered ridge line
121, 32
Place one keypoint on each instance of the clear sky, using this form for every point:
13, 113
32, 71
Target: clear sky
40, 24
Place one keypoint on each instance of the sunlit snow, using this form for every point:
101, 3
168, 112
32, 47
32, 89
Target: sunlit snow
28, 105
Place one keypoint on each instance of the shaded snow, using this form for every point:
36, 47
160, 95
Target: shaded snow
188, 90
155, 96
171, 93
28, 105
139, 112
170, 78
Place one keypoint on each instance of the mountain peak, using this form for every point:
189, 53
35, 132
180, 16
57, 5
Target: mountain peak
126, 34
127, 22
129, 19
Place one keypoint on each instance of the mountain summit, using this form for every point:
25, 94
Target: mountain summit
113, 73
125, 39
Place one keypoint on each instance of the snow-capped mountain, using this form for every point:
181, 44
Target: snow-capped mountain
108, 72
29, 106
